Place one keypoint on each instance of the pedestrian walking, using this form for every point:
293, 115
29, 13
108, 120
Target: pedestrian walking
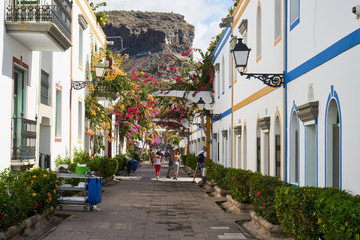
200, 165
171, 161
152, 157
177, 163
157, 164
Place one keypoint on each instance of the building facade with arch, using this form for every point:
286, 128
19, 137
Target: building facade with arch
305, 131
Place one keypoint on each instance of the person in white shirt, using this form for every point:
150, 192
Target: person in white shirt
177, 163
200, 164
157, 164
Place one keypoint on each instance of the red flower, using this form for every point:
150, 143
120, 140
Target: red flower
213, 91
1, 215
233, 178
93, 155
202, 88
134, 70
86, 156
258, 193
172, 68
36, 204
264, 206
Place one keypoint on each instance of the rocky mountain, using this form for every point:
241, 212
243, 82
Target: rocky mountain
154, 41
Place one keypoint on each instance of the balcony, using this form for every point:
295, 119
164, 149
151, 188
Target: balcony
40, 27
24, 143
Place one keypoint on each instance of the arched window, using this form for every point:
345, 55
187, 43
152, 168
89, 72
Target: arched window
223, 74
258, 149
277, 148
244, 148
258, 33
218, 82
294, 149
277, 18
333, 145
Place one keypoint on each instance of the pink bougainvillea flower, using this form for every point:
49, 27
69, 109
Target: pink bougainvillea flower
134, 70
264, 206
258, 193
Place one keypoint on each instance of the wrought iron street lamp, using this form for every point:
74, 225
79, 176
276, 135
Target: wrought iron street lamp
241, 55
201, 106
99, 72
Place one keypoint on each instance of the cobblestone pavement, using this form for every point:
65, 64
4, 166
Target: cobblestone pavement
141, 207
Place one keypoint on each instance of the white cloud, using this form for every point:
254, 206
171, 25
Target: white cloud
205, 15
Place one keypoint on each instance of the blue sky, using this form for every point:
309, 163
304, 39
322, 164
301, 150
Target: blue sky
205, 15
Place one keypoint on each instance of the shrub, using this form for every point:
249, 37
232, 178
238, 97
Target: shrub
59, 160
121, 162
295, 209
190, 160
103, 166
210, 170
44, 184
220, 176
15, 200
237, 180
133, 155
262, 195
24, 194
338, 215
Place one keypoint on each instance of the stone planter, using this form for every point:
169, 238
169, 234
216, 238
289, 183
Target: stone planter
263, 229
233, 206
211, 183
29, 223
219, 192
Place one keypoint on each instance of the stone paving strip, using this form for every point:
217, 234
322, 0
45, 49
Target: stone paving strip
140, 207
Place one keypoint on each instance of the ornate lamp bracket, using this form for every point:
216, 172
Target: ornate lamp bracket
77, 85
271, 79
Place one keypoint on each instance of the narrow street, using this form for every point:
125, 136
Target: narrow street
141, 207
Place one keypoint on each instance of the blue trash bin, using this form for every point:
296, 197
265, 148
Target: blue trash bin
134, 164
94, 190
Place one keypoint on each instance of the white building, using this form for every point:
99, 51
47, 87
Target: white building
40, 50
305, 131
249, 134
321, 75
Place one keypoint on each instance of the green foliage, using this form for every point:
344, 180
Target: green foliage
121, 162
103, 166
210, 170
15, 200
237, 180
338, 215
189, 160
296, 212
24, 194
215, 171
262, 194
101, 17
43, 185
134, 155
59, 160
221, 176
